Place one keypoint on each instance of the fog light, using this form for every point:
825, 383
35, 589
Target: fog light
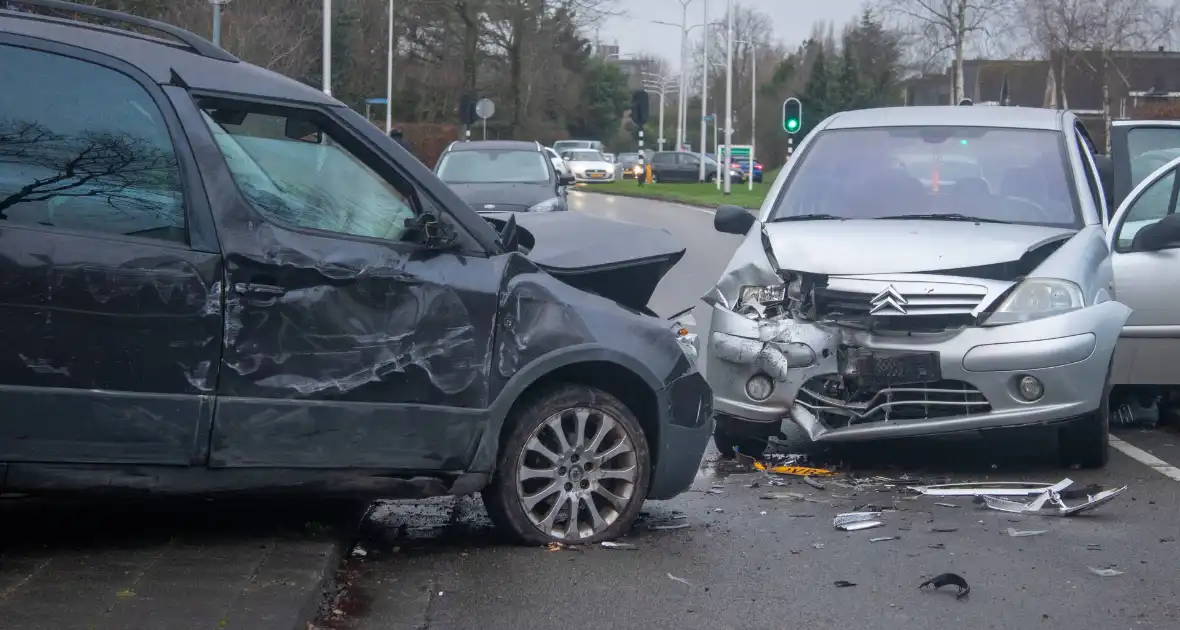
759, 387
1030, 388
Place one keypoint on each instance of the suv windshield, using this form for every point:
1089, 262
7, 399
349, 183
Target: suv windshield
1009, 175
628, 157
585, 156
494, 167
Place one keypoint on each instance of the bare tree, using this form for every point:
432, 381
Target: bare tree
948, 25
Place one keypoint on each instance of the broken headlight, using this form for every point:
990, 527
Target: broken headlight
754, 300
687, 340
1036, 298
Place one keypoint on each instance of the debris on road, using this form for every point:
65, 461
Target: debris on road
1105, 572
882, 539
556, 546
679, 579
1093, 547
944, 529
616, 545
813, 483
797, 471
1016, 533
988, 488
358, 551
991, 493
950, 505
843, 583
1053, 497
856, 521
948, 579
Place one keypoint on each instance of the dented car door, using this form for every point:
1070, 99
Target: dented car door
349, 341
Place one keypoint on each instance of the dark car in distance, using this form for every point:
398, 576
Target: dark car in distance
218, 279
503, 176
681, 166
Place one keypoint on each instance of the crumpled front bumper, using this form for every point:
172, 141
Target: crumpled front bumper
1069, 354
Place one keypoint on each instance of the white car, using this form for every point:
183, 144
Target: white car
558, 163
589, 166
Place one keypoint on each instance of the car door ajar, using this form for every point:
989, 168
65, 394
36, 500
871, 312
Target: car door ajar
348, 344
1146, 252
109, 269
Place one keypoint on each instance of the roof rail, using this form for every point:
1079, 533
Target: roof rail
201, 46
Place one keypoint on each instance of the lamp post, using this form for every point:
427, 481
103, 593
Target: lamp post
728, 95
389, 76
328, 48
217, 4
681, 102
753, 105
659, 83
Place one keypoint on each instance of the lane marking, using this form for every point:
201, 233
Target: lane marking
1145, 458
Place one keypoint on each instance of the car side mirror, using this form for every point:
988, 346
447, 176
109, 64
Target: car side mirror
1162, 234
565, 179
733, 220
304, 130
431, 232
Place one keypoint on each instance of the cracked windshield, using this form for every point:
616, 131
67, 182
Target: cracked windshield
384, 314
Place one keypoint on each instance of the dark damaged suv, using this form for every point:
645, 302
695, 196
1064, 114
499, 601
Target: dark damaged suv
217, 279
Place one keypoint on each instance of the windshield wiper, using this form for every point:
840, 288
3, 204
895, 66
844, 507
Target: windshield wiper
809, 217
946, 216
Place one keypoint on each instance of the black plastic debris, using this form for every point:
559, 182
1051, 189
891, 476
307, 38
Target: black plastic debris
843, 583
1134, 411
948, 579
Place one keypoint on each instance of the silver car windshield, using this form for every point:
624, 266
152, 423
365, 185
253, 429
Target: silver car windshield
493, 167
1007, 175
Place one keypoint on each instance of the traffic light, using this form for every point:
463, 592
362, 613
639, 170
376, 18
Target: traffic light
639, 107
792, 115
467, 109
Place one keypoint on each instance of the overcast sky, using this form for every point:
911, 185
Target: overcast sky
634, 32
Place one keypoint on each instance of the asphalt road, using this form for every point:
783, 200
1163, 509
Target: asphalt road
751, 562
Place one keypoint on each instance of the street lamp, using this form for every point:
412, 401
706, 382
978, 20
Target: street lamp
389, 76
328, 48
682, 102
704, 88
217, 4
662, 86
728, 93
753, 104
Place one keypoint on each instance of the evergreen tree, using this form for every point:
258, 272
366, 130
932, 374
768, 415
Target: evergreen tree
848, 91
817, 95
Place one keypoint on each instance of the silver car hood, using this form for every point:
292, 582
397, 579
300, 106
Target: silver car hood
606, 166
855, 247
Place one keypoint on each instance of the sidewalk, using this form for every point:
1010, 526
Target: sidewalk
204, 565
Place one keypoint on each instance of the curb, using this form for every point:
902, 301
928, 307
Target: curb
309, 612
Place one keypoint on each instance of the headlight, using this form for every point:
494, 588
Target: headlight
549, 205
762, 295
1036, 298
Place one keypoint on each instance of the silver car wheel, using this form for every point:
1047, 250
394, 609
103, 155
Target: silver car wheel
576, 473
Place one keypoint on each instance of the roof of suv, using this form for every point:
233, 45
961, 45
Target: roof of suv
159, 58
946, 115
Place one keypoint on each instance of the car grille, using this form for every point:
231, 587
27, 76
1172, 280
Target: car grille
900, 305
912, 402
595, 172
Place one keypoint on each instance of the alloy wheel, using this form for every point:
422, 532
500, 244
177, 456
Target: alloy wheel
577, 473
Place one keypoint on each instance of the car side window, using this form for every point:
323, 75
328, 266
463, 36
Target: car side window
294, 171
84, 147
1156, 202
689, 160
663, 158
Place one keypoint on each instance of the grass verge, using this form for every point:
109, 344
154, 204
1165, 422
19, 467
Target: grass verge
705, 195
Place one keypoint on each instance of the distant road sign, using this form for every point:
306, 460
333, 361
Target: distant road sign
485, 108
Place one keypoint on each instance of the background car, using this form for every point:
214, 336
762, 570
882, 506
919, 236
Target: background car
562, 146
626, 163
681, 166
503, 176
588, 165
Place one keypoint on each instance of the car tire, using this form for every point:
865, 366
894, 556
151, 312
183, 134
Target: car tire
532, 424
1085, 441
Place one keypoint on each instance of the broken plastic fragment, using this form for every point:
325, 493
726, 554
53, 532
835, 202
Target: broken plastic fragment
616, 545
798, 471
882, 539
948, 579
1057, 507
950, 505
1105, 572
859, 525
678, 579
843, 583
991, 488
667, 526
854, 517
944, 529
813, 483
1016, 533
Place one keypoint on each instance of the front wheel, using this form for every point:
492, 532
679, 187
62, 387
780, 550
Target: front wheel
1085, 441
574, 469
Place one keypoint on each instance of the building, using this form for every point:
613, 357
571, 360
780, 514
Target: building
605, 51
1068, 80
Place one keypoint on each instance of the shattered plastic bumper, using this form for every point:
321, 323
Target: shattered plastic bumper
687, 414
1069, 354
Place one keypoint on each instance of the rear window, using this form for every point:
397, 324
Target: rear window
1011, 175
488, 167
586, 156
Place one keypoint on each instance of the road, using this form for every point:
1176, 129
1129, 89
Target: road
751, 562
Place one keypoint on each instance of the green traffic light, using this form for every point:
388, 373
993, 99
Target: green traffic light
792, 124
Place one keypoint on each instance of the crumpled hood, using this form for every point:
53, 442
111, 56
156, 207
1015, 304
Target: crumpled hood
510, 196
903, 246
